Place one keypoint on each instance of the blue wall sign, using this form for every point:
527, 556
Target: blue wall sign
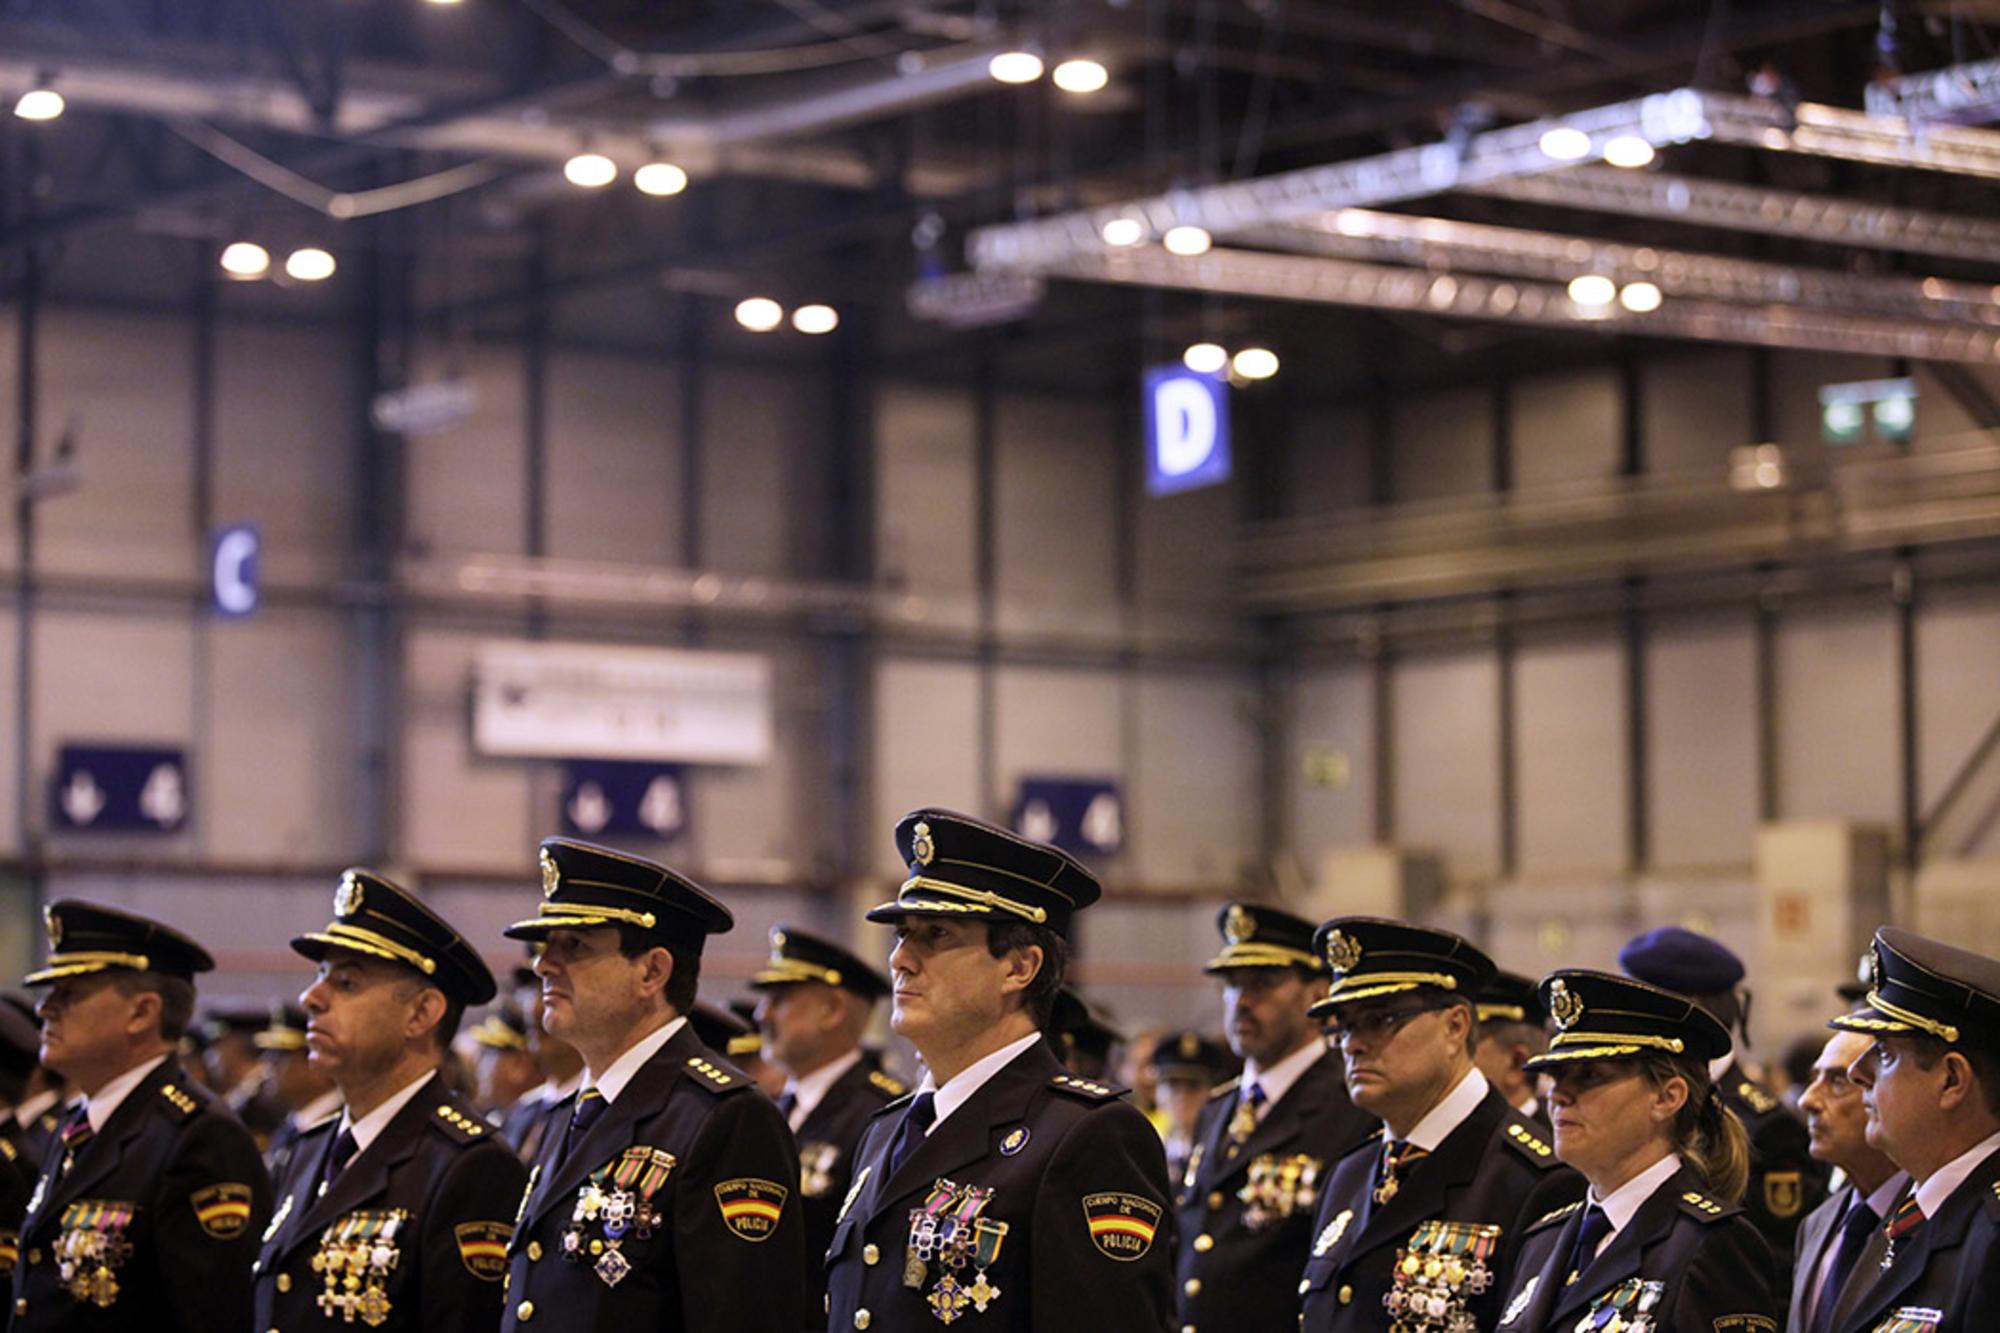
1076, 814
610, 798
119, 789
232, 566
1187, 430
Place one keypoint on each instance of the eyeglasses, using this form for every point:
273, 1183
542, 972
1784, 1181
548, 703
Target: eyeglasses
1378, 1024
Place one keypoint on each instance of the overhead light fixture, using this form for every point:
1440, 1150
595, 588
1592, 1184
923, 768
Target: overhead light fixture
759, 314
1628, 150
1592, 291
442, 2
1566, 143
1081, 76
310, 264
1205, 358
1123, 232
1015, 67
39, 103
1186, 240
1255, 363
660, 179
245, 260
590, 170
814, 319
1640, 297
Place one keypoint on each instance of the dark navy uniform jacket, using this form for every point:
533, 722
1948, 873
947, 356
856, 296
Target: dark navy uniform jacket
173, 1193
1240, 1259
827, 1138
1786, 1182
724, 1249
1079, 1180
1690, 1263
456, 1186
1494, 1170
1945, 1275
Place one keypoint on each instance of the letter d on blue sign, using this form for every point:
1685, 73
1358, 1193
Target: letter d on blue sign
1187, 430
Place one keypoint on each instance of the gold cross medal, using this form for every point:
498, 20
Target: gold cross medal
989, 1237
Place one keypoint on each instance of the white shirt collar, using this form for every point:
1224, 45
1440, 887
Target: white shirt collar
321, 1108
1278, 1079
1720, 1066
100, 1107
26, 1113
811, 1090
972, 1078
1623, 1203
613, 1080
1883, 1201
1932, 1193
1530, 1108
369, 1127
1450, 1113
552, 1092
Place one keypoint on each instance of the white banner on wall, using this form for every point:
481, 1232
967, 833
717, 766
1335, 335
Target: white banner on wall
601, 701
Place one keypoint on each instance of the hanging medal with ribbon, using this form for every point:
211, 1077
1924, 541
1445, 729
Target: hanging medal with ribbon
1437, 1273
90, 1249
925, 1220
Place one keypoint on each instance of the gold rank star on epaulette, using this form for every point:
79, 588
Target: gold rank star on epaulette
716, 1076
893, 1086
1555, 1215
1762, 1102
461, 1122
1703, 1204
1072, 1083
1534, 1145
177, 1099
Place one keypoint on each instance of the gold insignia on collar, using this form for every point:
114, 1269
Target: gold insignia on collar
1343, 952
347, 898
1565, 1006
54, 925
921, 845
551, 877
1238, 925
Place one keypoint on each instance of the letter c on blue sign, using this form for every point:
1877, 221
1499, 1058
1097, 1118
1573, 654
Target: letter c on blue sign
1187, 430
234, 571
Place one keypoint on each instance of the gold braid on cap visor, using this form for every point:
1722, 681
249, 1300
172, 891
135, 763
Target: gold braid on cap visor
791, 969
586, 914
87, 960
1915, 1020
1672, 1044
1505, 1013
368, 941
973, 899
1266, 955
1361, 980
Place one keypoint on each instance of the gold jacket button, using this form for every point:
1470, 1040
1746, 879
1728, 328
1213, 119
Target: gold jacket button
21, 1306
284, 1282
34, 1256
1204, 1243
525, 1311
534, 1250
870, 1255
1346, 1295
1187, 1328
1214, 1199
1192, 1286
862, 1318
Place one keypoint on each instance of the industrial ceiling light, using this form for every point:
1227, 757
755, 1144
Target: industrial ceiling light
1015, 67
590, 170
660, 179
1123, 232
814, 319
245, 260
1592, 291
309, 264
1205, 358
1566, 143
759, 314
1629, 151
1081, 76
1640, 298
1186, 240
40, 102
1255, 363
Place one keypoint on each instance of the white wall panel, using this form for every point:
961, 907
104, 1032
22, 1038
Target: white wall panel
1185, 570
1838, 755
285, 426
742, 820
1565, 428
757, 434
1701, 742
1958, 700
1332, 710
924, 489
1572, 774
1051, 722
9, 830
1796, 378
1328, 461
1443, 445
1191, 795
1942, 421
468, 484
1446, 735
1696, 408
614, 460
926, 745
1053, 511
458, 809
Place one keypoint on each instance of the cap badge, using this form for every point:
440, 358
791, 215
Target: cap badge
551, 877
921, 845
54, 925
1343, 952
1237, 924
1190, 1045
347, 898
777, 946
1875, 970
1565, 1006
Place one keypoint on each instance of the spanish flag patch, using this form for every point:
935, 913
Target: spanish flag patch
482, 1247
1122, 1226
223, 1209
751, 1207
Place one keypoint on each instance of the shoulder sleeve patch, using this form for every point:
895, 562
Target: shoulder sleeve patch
457, 1126
177, 1103
1531, 1146
223, 1209
883, 1083
1553, 1216
1085, 1088
1223, 1089
1745, 1323
1699, 1205
718, 1079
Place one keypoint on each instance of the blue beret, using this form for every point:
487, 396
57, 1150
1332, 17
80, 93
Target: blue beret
1680, 960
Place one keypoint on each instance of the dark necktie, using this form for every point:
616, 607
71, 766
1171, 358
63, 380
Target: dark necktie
1249, 1102
589, 1107
75, 1133
344, 1148
916, 1120
788, 1102
1396, 1156
1596, 1226
1854, 1230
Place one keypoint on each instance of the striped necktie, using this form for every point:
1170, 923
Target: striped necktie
589, 1106
75, 1134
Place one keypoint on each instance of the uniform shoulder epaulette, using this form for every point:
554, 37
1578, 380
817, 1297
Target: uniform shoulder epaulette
1993, 1201
1223, 1089
177, 1102
1758, 1100
718, 1079
457, 1126
1086, 1088
9, 1151
1553, 1216
1699, 1205
1531, 1145
884, 1083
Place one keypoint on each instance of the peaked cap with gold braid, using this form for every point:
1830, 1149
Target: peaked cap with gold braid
798, 957
585, 886
86, 938
1371, 957
1254, 935
378, 918
965, 869
1599, 1016
1918, 985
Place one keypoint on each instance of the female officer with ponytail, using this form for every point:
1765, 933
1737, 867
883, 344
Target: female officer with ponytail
1661, 1244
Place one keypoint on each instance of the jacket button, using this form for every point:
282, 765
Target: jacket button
862, 1318
525, 1311
34, 1256
534, 1250
1192, 1286
1214, 1200
1346, 1294
1204, 1243
870, 1255
1305, 1285
284, 1282
21, 1306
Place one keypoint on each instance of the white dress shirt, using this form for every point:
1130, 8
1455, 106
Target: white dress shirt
1932, 1193
369, 1127
1623, 1204
613, 1080
1278, 1079
1450, 1113
811, 1090
98, 1109
972, 1078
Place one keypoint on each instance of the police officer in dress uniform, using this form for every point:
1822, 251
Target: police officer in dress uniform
149, 1202
1512, 1031
1841, 1244
816, 1000
399, 1214
1931, 1083
1266, 1140
528, 1121
1084, 1038
669, 1198
20, 1046
1419, 1229
1186, 1068
1659, 1245
504, 1069
308, 1095
1006, 1191
1786, 1182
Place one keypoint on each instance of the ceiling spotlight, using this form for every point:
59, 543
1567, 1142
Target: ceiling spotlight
1628, 150
1186, 240
660, 179
443, 2
1122, 232
245, 260
310, 264
1255, 363
1081, 76
1592, 290
1640, 297
1565, 143
590, 170
39, 104
1015, 67
1205, 358
759, 314
813, 319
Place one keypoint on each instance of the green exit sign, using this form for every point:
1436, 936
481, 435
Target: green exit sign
1847, 411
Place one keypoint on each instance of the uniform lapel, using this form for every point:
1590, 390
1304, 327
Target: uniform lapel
643, 1096
1548, 1289
966, 1135
367, 1176
827, 1108
1938, 1236
1868, 1267
1625, 1255
1421, 1194
1820, 1227
99, 1157
1300, 1103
